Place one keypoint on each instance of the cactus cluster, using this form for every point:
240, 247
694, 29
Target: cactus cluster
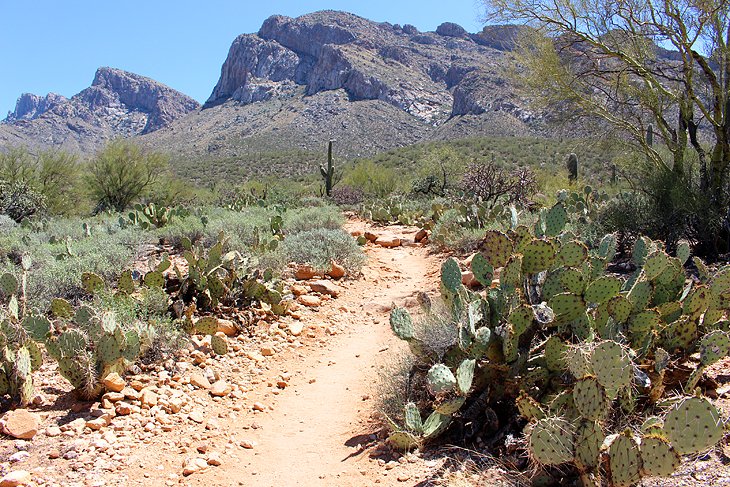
152, 216
88, 345
19, 354
581, 355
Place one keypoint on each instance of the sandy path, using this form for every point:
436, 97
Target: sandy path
314, 432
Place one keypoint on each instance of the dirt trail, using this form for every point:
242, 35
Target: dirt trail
317, 431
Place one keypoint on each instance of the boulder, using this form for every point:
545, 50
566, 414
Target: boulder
325, 287
337, 271
113, 382
388, 241
304, 272
21, 424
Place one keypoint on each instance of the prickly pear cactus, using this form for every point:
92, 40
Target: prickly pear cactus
551, 441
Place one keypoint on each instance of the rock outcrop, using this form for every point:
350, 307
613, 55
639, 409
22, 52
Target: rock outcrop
117, 104
419, 73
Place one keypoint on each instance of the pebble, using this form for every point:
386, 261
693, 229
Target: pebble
220, 389
15, 478
200, 381
113, 382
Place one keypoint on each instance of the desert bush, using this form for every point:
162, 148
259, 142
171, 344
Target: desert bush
305, 219
491, 184
319, 247
19, 201
373, 179
452, 232
121, 172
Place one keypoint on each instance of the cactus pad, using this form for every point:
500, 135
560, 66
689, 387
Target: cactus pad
640, 294
567, 306
612, 367
511, 275
126, 283
37, 327
693, 426
440, 379
401, 323
573, 281
482, 269
572, 254
652, 426
619, 308
555, 350
624, 460
602, 289
72, 342
607, 247
509, 343
154, 279
451, 275
219, 345
551, 441
713, 347
413, 418
91, 282
658, 458
537, 256
8, 284
683, 252
529, 408
207, 325
588, 441
60, 308
579, 362
521, 319
555, 220
449, 406
402, 440
496, 247
590, 399
465, 376
640, 251
435, 424
655, 264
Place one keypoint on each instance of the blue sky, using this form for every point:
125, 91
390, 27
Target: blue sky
56, 45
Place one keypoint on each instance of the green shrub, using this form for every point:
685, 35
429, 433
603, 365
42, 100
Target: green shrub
304, 219
19, 200
319, 247
374, 179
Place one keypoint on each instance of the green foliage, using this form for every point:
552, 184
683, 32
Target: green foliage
19, 201
329, 175
320, 247
121, 173
581, 354
306, 219
373, 179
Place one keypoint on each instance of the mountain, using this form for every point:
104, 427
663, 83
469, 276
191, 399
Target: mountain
372, 86
117, 104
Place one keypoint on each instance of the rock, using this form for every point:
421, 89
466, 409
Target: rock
193, 465
98, 423
21, 424
220, 389
117, 104
325, 287
298, 290
337, 271
113, 397
200, 381
196, 416
259, 406
420, 235
113, 382
304, 272
370, 236
267, 350
450, 29
468, 279
295, 328
123, 409
16, 478
227, 327
214, 459
53, 431
248, 444
309, 301
388, 241
148, 398
18, 456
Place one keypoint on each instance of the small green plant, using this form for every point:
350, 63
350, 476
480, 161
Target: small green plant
153, 216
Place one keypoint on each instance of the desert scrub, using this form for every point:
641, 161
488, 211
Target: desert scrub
62, 251
305, 219
320, 247
451, 232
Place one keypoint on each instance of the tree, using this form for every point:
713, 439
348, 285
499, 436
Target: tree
121, 172
636, 63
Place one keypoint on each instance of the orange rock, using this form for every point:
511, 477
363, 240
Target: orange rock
304, 272
420, 235
308, 300
325, 287
388, 241
337, 271
371, 236
21, 424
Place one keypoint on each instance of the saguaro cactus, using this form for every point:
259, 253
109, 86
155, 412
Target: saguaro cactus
572, 167
328, 173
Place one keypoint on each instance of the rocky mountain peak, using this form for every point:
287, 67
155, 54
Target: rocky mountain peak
117, 104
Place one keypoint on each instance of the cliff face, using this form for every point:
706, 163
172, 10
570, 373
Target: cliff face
423, 74
117, 104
